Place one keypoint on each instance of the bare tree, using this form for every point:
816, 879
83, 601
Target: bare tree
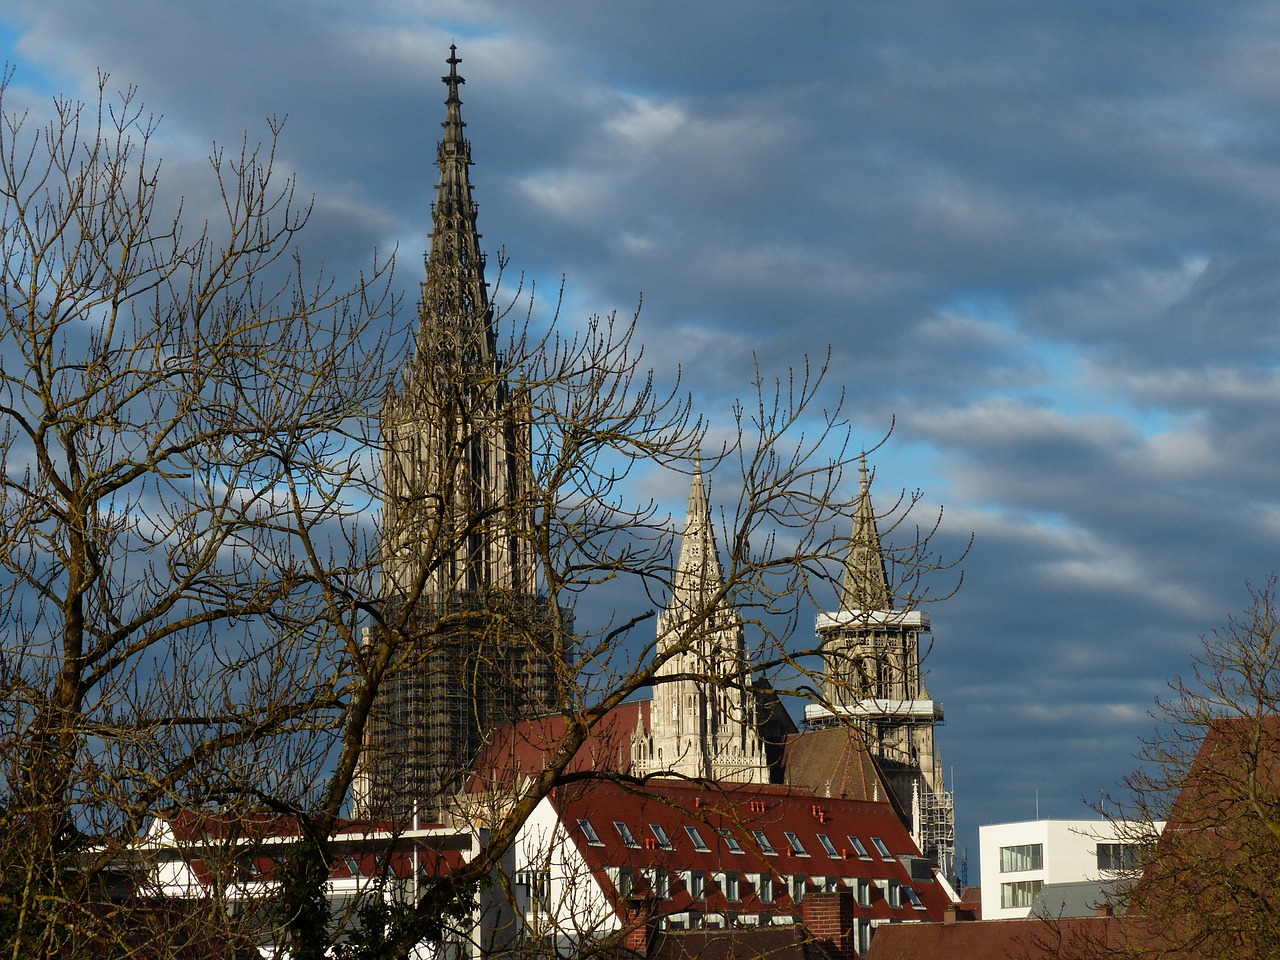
1203, 885
190, 452
183, 416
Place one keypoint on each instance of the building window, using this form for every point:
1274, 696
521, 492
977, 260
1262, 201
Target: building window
731, 841
1020, 894
828, 846
859, 848
732, 888
894, 894
536, 886
862, 934
1120, 856
625, 833
864, 892
698, 843
765, 846
764, 889
913, 898
660, 881
623, 881
796, 846
796, 888
660, 835
589, 832
881, 848
1028, 856
697, 884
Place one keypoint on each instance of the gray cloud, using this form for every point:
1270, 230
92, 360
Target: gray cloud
1043, 235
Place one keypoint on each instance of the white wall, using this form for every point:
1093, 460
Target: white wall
1069, 856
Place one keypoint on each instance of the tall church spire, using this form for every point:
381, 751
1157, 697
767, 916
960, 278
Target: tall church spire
458, 573
866, 585
455, 297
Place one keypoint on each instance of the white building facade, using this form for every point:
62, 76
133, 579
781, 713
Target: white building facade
1018, 860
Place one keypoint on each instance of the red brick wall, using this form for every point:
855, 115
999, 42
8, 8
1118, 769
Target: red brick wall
828, 917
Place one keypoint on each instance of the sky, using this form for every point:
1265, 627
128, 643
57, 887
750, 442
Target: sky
1041, 239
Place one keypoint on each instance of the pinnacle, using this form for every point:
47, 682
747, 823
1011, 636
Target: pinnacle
866, 586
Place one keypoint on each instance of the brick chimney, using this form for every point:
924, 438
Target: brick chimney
639, 924
828, 918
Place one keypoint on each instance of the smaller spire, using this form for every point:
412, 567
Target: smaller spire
698, 568
866, 585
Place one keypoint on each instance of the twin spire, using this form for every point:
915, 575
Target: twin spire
866, 584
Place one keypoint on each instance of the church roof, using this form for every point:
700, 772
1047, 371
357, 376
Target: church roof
833, 762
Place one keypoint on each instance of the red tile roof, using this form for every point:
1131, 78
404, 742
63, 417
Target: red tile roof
519, 750
726, 817
788, 942
1074, 937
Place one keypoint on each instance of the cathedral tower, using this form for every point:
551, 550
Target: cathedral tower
456, 565
703, 721
874, 680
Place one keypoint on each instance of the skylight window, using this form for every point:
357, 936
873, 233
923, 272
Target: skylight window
857, 846
589, 832
796, 846
881, 849
913, 897
828, 846
698, 843
625, 833
731, 841
660, 834
765, 846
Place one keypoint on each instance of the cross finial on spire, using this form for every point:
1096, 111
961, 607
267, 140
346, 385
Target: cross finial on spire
453, 80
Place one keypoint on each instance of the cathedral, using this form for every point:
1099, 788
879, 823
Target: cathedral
459, 580
458, 574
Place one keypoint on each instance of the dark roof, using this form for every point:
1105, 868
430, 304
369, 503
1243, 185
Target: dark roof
788, 942
833, 762
1079, 899
726, 817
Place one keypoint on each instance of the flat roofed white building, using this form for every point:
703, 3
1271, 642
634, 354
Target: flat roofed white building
1017, 860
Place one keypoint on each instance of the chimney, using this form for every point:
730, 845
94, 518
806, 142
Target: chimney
828, 919
640, 926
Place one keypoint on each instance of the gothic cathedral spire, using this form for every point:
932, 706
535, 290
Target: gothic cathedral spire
456, 314
703, 720
866, 585
457, 463
458, 576
874, 681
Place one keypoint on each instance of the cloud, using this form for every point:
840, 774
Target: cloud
1041, 235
